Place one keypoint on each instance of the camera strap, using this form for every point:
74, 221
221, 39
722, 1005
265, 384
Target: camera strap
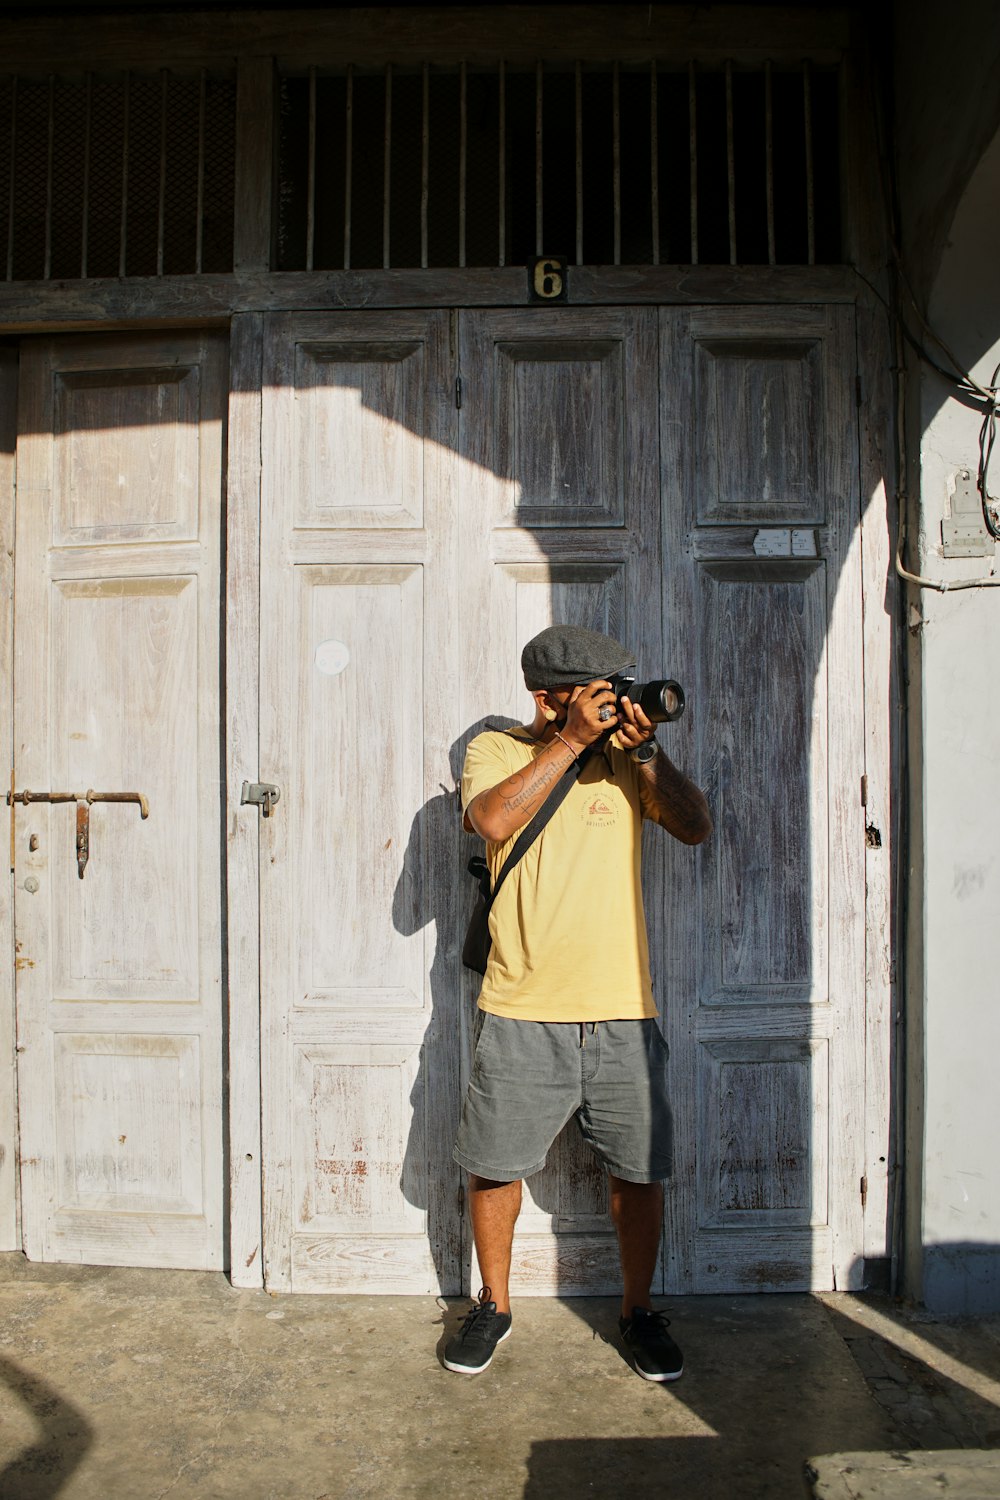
529, 833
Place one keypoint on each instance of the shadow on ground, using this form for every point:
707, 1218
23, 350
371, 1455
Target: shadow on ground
938, 1380
767, 1382
42, 1470
118, 1384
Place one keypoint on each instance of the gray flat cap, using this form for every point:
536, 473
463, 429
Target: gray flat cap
564, 655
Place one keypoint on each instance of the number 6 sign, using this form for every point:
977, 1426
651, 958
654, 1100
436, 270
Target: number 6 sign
547, 279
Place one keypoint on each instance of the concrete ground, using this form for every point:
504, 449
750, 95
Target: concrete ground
117, 1384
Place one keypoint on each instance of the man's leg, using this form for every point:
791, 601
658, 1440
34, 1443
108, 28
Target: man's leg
637, 1214
494, 1207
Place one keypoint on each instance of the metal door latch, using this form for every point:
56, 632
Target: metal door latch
261, 794
83, 802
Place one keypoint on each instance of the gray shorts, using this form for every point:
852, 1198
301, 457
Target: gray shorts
530, 1077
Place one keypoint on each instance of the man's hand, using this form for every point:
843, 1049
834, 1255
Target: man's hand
669, 797
634, 728
590, 712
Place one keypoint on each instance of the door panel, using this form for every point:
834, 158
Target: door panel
376, 611
344, 391
558, 422
130, 644
765, 1011
359, 858
766, 878
117, 689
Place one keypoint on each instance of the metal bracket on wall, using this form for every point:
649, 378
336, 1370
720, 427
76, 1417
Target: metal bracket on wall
964, 533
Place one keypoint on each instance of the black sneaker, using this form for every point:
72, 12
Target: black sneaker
653, 1351
471, 1350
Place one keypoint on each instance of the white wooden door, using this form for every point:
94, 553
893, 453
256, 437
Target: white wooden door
119, 1002
359, 879
763, 971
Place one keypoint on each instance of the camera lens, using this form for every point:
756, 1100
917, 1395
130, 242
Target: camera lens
661, 700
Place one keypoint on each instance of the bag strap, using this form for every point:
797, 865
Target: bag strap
531, 830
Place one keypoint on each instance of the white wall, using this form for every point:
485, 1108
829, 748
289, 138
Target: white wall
953, 1218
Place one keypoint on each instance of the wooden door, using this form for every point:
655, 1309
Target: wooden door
560, 519
408, 551
119, 997
359, 876
763, 973
684, 480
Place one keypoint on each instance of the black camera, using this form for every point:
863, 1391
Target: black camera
661, 700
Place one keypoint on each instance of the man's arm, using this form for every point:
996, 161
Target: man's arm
673, 800
668, 796
503, 810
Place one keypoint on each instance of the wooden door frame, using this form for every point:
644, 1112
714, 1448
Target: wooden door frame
883, 792
877, 583
10, 1228
241, 720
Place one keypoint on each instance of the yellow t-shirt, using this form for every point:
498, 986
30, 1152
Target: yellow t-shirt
568, 927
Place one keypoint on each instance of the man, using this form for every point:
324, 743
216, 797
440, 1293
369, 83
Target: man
566, 1021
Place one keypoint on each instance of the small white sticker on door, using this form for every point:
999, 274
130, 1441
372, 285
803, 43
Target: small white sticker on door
331, 657
773, 541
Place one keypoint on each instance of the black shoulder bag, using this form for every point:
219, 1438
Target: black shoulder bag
476, 948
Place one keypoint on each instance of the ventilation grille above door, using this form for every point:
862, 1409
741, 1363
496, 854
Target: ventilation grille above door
609, 164
121, 174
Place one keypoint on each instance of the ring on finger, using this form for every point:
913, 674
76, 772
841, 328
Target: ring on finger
605, 712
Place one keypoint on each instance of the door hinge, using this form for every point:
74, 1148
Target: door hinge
864, 1193
864, 791
458, 392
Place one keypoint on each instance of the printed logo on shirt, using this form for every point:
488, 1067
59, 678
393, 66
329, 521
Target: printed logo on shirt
600, 812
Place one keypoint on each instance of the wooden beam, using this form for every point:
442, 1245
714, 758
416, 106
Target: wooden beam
35, 306
863, 202
243, 828
253, 209
844, 654
9, 1228
883, 789
476, 33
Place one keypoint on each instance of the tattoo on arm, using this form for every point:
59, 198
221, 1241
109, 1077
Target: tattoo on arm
520, 796
678, 805
517, 793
